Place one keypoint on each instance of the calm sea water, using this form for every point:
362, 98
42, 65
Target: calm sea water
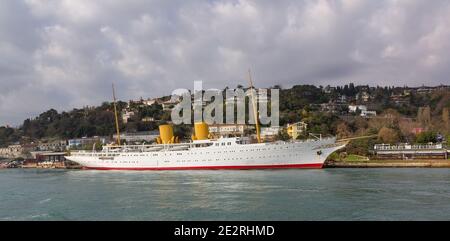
330, 194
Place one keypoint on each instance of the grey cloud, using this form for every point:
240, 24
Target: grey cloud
65, 54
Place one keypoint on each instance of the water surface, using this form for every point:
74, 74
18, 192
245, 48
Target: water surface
328, 194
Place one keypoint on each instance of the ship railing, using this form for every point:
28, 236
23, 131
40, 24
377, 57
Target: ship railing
139, 149
387, 147
302, 141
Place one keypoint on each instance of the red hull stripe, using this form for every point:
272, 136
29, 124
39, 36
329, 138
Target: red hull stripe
289, 166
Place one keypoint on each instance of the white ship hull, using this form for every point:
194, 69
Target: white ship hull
224, 153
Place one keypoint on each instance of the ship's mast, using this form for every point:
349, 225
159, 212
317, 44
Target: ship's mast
255, 108
115, 114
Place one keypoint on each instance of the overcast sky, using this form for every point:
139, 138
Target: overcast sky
65, 53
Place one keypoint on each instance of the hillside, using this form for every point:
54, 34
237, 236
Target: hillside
324, 109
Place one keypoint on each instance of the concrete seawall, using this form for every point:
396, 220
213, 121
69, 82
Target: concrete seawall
390, 164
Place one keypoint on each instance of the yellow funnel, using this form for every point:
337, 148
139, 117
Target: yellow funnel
166, 134
201, 131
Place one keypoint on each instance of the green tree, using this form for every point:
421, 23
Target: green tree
283, 135
8, 135
426, 137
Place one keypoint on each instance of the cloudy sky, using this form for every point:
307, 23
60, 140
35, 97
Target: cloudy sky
65, 53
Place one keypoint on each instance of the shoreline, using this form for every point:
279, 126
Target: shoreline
338, 165
418, 163
425, 163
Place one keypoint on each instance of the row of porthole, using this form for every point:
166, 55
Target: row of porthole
197, 154
215, 153
206, 152
98, 155
237, 158
115, 162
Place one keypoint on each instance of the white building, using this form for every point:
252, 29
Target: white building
296, 129
355, 108
127, 115
367, 113
60, 145
80, 142
12, 151
149, 102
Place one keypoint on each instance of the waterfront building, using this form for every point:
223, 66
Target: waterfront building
296, 129
86, 141
410, 152
51, 160
58, 145
46, 159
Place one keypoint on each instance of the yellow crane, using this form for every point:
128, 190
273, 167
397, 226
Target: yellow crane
115, 114
255, 107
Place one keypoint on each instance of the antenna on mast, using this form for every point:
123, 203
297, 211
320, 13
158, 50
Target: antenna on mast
115, 114
255, 108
